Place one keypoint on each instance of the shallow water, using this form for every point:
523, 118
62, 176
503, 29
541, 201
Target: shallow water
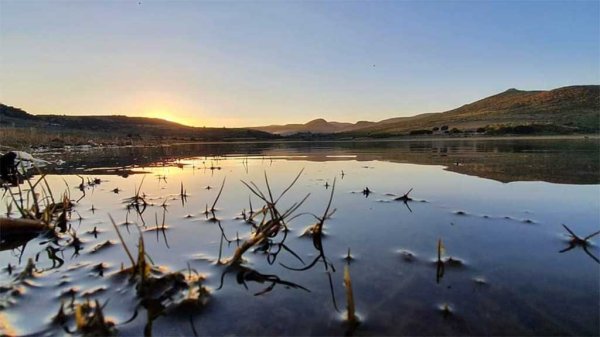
497, 206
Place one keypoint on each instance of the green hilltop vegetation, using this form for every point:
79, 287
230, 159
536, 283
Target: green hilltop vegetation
20, 128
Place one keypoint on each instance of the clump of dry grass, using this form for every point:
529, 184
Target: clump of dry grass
273, 222
37, 207
154, 286
90, 321
138, 201
87, 317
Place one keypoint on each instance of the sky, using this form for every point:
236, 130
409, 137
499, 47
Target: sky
250, 63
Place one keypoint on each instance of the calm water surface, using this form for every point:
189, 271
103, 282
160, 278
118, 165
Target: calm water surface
497, 206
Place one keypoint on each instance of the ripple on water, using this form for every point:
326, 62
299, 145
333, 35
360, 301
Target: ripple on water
407, 255
102, 246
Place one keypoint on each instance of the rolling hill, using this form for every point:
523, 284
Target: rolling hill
112, 128
574, 108
319, 125
563, 110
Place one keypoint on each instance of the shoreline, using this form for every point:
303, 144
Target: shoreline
42, 148
403, 139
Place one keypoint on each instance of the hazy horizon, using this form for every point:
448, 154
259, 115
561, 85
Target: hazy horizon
240, 64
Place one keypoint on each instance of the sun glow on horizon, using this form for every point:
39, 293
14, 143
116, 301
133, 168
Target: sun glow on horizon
163, 114
249, 63
169, 115
189, 116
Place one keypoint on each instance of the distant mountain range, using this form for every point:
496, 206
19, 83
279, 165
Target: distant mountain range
562, 110
318, 125
574, 109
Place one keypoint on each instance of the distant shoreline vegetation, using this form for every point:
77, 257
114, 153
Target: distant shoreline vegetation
491, 132
32, 138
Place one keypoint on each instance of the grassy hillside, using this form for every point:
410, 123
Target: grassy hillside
562, 110
574, 109
21, 128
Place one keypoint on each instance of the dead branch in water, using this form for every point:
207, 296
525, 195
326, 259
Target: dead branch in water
10, 226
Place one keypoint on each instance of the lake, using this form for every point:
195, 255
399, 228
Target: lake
443, 237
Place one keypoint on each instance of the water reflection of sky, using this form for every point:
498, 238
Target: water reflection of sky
507, 235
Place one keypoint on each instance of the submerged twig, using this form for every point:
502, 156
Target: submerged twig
577, 241
439, 274
405, 197
245, 274
351, 311
316, 231
122, 241
212, 208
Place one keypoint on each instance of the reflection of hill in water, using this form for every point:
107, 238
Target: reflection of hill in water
557, 160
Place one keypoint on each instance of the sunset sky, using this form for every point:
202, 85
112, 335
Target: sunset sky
245, 63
